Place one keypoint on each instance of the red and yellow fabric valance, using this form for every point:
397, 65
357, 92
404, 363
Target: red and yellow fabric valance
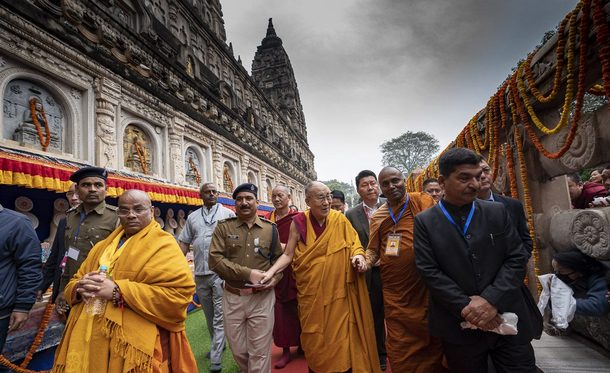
32, 171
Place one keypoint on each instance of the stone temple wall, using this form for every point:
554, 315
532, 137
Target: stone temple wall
144, 87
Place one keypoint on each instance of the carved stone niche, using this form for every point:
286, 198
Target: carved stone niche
587, 230
584, 152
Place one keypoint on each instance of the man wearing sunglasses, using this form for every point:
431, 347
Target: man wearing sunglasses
242, 249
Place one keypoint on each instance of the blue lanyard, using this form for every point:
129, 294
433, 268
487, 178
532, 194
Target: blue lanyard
395, 220
468, 220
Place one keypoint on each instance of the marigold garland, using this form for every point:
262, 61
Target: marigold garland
44, 143
474, 133
569, 95
195, 170
510, 167
584, 29
527, 202
602, 33
42, 327
559, 54
141, 156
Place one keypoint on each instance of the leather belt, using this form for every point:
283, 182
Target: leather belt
244, 291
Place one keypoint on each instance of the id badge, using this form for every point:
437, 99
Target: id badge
391, 248
73, 253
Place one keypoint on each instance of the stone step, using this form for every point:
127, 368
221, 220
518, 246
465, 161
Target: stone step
568, 354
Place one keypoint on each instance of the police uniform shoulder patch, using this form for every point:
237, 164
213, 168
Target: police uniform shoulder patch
267, 220
227, 219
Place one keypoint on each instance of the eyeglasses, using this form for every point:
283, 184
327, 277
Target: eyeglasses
137, 211
322, 198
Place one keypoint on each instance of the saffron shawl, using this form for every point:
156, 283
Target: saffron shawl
334, 306
157, 286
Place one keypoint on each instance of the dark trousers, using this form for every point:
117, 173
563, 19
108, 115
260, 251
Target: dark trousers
373, 281
3, 331
506, 357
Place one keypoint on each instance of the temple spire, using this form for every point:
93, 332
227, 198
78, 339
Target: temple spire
270, 29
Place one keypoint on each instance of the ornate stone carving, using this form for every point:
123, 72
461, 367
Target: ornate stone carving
32, 116
583, 148
106, 133
137, 150
590, 233
193, 167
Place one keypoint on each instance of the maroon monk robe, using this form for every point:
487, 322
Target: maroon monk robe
287, 328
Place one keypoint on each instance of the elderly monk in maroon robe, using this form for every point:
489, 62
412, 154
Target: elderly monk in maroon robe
409, 345
287, 328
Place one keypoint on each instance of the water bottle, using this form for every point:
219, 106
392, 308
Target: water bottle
97, 306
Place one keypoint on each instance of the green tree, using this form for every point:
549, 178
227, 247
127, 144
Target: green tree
351, 198
409, 150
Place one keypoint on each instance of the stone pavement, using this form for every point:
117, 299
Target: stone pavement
568, 355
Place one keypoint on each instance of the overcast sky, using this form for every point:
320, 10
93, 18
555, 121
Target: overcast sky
370, 70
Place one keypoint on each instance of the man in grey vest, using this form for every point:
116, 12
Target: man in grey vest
198, 232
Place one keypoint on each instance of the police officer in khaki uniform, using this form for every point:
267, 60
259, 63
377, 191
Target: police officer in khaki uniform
92, 221
242, 249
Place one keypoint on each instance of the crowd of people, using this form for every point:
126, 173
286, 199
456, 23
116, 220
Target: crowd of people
424, 281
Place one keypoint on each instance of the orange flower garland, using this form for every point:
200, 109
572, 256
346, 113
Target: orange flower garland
44, 322
195, 171
584, 29
510, 166
527, 202
602, 33
527, 66
141, 156
569, 96
47, 137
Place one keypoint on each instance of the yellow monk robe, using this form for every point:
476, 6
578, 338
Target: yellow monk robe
410, 347
334, 308
157, 286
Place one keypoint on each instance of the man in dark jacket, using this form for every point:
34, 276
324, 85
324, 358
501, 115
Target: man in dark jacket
473, 262
54, 266
513, 206
19, 270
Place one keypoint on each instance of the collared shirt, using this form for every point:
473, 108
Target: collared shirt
83, 231
198, 231
236, 249
458, 213
369, 211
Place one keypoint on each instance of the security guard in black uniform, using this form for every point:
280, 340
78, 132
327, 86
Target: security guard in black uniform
92, 221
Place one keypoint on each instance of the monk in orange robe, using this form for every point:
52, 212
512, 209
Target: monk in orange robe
149, 285
336, 322
410, 348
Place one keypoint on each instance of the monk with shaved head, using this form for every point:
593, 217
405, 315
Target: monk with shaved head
409, 346
145, 291
337, 325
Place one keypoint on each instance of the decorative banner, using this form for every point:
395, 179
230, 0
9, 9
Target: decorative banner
44, 172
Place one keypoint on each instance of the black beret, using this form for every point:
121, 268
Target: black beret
246, 187
84, 172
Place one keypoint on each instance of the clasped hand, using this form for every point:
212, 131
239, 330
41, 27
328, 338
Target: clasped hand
92, 285
261, 279
359, 263
481, 313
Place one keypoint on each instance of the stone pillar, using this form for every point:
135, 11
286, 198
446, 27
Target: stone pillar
107, 94
216, 174
176, 155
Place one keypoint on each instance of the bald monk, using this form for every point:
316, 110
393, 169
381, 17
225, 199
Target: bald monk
287, 328
147, 290
337, 325
410, 348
